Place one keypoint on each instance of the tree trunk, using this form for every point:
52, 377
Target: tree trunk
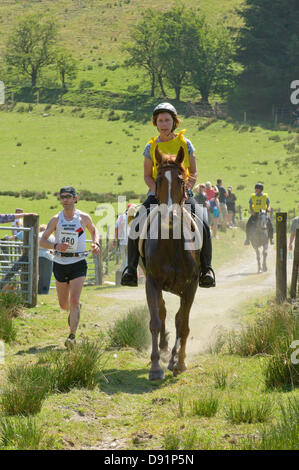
177, 93
62, 76
33, 77
153, 83
160, 80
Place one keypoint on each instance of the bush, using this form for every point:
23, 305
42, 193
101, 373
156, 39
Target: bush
280, 371
85, 84
132, 330
12, 303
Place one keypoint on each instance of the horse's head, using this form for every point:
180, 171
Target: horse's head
262, 219
171, 174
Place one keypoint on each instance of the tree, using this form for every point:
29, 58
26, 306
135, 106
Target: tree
268, 51
176, 40
212, 69
142, 49
30, 47
66, 65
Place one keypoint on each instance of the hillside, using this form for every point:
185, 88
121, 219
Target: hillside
94, 32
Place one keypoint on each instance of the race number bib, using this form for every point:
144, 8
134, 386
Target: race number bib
71, 238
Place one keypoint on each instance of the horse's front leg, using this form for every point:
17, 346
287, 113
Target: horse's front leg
163, 344
258, 258
153, 294
265, 252
177, 361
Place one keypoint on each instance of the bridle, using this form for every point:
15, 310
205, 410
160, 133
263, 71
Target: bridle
161, 173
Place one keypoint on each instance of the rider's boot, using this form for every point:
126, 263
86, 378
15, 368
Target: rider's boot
129, 275
207, 276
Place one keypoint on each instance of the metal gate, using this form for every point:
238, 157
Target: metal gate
16, 263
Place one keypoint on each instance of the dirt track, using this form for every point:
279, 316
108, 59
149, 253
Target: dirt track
217, 307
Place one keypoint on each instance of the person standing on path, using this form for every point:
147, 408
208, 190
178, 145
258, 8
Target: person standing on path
70, 266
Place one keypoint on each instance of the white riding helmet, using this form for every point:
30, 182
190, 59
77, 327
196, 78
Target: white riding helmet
165, 107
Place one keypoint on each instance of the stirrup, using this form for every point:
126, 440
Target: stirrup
129, 279
209, 281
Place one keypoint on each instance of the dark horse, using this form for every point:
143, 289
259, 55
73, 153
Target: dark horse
259, 238
169, 265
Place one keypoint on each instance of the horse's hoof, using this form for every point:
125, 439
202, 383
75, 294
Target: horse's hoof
179, 370
156, 374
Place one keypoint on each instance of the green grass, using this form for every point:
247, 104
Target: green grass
282, 435
132, 330
21, 434
249, 412
205, 405
87, 161
8, 331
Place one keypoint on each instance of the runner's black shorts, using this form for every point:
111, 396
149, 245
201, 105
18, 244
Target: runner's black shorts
68, 272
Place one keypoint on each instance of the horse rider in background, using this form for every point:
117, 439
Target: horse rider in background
258, 201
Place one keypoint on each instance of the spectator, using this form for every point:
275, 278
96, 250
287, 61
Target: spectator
215, 211
209, 191
231, 207
45, 264
5, 218
17, 222
201, 198
222, 200
294, 226
121, 237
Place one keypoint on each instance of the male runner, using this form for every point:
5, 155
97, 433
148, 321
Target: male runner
70, 266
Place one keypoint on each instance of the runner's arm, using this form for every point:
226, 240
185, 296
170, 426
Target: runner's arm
95, 246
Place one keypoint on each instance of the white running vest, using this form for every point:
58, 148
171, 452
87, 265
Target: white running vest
70, 231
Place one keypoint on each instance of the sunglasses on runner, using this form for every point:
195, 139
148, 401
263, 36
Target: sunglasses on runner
66, 196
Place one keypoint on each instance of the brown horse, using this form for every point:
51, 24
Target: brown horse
169, 265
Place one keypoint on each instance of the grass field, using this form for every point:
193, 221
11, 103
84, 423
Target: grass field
44, 153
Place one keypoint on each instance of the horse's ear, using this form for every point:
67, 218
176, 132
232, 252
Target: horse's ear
180, 156
158, 155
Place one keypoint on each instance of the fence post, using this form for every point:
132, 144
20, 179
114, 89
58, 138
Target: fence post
99, 266
295, 267
281, 256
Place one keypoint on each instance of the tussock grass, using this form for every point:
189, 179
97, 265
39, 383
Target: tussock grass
206, 405
27, 386
249, 412
132, 330
272, 328
8, 331
20, 434
220, 378
12, 303
281, 371
188, 440
77, 368
282, 435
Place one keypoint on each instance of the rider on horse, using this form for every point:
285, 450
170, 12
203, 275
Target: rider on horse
166, 120
258, 201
